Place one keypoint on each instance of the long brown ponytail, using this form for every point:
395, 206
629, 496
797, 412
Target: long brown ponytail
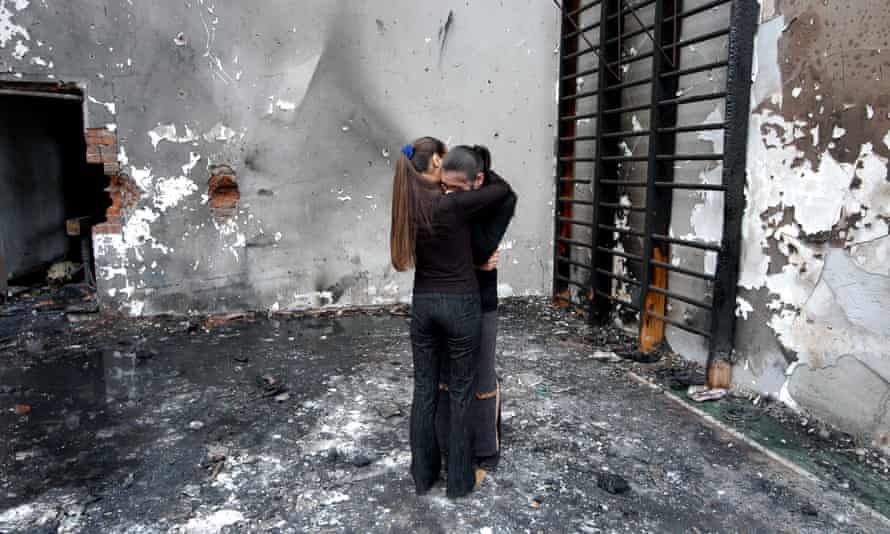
410, 207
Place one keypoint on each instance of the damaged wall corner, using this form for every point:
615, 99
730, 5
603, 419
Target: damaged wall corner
815, 287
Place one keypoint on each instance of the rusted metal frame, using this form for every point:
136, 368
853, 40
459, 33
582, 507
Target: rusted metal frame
655, 43
565, 171
659, 199
595, 49
604, 193
743, 24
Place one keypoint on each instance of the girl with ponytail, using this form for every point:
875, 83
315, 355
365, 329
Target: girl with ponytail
431, 233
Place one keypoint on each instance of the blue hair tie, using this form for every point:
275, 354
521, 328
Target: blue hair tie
408, 150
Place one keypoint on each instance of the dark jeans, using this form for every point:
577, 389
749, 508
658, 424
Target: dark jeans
455, 320
484, 415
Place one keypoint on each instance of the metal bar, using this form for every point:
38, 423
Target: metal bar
628, 133
576, 159
587, 72
687, 243
617, 300
694, 128
632, 34
566, 70
682, 270
697, 10
633, 59
681, 298
694, 70
586, 40
575, 222
624, 158
703, 37
692, 99
568, 280
679, 325
578, 138
573, 181
696, 187
573, 201
743, 21
562, 259
627, 231
585, 29
626, 10
579, 96
624, 109
621, 253
40, 94
659, 89
627, 85
584, 8
655, 44
573, 242
623, 183
619, 206
599, 310
690, 157
577, 117
620, 278
579, 53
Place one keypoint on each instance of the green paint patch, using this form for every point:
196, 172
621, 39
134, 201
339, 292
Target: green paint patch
826, 459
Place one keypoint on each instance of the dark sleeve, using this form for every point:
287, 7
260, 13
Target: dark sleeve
488, 231
472, 203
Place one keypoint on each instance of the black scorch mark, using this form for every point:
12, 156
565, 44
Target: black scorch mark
443, 33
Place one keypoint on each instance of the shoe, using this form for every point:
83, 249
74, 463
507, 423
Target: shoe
489, 463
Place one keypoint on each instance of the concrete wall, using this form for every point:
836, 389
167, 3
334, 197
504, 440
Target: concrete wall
814, 309
35, 160
308, 102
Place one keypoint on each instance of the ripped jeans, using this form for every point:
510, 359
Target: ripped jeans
452, 319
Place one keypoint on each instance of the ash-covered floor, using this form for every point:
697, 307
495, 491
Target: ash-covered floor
299, 424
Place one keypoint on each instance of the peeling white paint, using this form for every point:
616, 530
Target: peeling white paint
142, 177
194, 158
168, 132
20, 50
220, 132
110, 106
743, 308
8, 28
706, 219
169, 192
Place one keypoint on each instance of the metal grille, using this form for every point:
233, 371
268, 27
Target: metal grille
651, 91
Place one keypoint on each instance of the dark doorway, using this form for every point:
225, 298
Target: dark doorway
46, 183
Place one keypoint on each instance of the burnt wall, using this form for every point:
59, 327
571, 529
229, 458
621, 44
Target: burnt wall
306, 104
815, 302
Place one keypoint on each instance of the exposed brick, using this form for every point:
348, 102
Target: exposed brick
107, 228
222, 188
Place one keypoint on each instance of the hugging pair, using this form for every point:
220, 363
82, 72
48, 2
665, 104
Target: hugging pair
449, 214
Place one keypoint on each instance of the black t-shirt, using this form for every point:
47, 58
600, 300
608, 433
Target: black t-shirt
444, 252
